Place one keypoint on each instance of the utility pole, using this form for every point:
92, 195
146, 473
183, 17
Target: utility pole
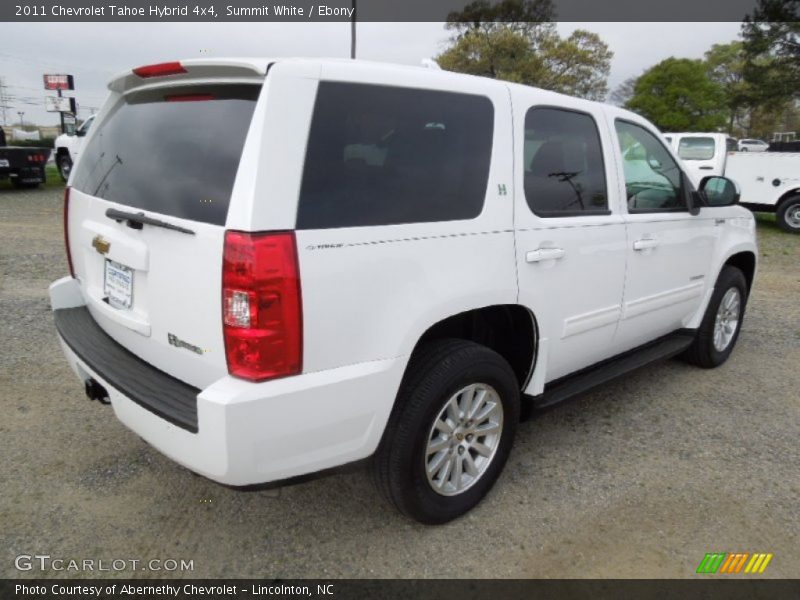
353, 32
3, 100
61, 114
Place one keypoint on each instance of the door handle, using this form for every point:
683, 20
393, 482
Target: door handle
706, 168
544, 254
645, 244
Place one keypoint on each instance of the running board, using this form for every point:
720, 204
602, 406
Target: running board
607, 370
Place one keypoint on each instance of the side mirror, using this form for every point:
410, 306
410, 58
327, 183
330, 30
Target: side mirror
719, 191
80, 132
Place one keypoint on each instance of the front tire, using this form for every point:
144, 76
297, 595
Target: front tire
722, 322
788, 214
450, 432
64, 166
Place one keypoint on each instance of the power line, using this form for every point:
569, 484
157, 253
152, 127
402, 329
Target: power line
49, 64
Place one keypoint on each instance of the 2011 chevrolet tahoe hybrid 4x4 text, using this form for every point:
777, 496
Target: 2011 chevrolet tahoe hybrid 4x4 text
280, 267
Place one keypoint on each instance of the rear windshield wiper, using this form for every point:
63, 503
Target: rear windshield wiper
136, 220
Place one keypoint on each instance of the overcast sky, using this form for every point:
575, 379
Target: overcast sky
93, 52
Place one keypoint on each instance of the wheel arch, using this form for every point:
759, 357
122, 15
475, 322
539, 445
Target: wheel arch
745, 261
510, 330
785, 196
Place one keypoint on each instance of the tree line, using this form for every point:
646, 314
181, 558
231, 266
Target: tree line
749, 87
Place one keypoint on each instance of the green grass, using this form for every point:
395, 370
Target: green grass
773, 242
53, 178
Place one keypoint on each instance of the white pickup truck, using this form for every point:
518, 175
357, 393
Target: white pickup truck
768, 181
278, 267
68, 147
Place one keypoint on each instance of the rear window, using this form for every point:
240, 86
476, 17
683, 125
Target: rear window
174, 152
381, 155
696, 148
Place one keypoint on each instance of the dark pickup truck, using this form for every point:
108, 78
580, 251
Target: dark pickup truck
23, 165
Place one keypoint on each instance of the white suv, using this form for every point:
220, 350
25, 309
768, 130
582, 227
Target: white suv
282, 267
753, 146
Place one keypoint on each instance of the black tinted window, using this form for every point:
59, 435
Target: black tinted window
652, 177
174, 153
563, 160
380, 155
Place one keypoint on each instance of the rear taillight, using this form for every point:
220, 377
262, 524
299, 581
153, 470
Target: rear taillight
66, 231
261, 305
159, 70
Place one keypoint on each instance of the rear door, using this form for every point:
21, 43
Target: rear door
147, 215
569, 233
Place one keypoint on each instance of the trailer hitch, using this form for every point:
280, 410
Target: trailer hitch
95, 391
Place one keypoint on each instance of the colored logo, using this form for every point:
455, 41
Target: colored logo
735, 562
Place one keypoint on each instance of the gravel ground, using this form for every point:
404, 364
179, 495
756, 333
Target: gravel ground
639, 478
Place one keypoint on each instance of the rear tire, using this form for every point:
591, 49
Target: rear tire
722, 322
428, 473
788, 214
64, 164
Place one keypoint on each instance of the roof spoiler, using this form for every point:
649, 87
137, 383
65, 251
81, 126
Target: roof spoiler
230, 70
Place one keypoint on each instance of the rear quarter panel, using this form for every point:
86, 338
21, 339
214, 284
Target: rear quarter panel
369, 293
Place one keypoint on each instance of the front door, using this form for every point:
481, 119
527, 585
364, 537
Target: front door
668, 250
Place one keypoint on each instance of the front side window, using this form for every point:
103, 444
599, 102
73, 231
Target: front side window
652, 177
563, 160
381, 155
696, 148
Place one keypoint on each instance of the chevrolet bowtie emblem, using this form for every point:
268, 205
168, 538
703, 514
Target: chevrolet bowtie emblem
100, 244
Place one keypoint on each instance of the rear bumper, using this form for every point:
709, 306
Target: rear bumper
243, 433
24, 174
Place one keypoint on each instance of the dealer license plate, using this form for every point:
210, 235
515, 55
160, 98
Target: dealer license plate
118, 285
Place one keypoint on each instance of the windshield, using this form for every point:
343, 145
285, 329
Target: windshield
174, 153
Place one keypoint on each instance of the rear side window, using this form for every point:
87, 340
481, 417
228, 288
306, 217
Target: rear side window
696, 148
563, 159
170, 152
381, 155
